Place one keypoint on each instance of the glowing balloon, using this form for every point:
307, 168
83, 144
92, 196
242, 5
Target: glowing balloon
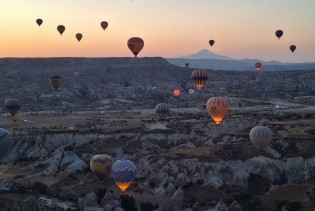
39, 21
135, 44
61, 29
258, 66
123, 173
104, 25
5, 142
260, 136
279, 33
162, 110
211, 42
55, 81
101, 165
200, 77
79, 36
176, 92
292, 48
217, 107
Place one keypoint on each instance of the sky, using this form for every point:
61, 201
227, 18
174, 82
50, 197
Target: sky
170, 28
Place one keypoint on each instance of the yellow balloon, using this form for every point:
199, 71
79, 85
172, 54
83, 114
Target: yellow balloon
217, 107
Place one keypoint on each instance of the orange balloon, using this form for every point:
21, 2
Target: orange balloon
176, 92
135, 44
217, 107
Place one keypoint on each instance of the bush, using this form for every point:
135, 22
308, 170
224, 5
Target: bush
128, 202
148, 206
39, 187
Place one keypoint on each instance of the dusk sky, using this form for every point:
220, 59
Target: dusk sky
170, 28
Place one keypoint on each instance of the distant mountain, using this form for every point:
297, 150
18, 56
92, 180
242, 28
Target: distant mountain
205, 59
205, 54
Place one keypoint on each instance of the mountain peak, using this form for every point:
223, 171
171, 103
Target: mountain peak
206, 54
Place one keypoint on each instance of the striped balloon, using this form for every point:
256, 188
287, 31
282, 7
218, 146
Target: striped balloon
200, 77
162, 110
123, 173
217, 107
260, 136
13, 105
5, 142
101, 165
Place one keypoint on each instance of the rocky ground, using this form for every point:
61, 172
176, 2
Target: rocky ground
184, 162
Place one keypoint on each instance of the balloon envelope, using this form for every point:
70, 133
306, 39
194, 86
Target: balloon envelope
101, 165
191, 91
258, 66
187, 64
39, 21
176, 92
200, 77
104, 25
292, 48
260, 136
217, 107
55, 81
123, 173
13, 105
223, 91
61, 29
5, 142
162, 109
279, 33
79, 36
211, 42
135, 44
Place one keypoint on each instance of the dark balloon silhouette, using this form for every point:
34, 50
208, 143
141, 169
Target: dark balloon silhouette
39, 21
211, 42
292, 48
61, 29
79, 36
104, 25
279, 33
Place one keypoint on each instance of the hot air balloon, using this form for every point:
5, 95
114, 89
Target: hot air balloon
123, 173
279, 33
101, 165
39, 21
13, 105
260, 136
79, 36
292, 48
176, 92
187, 64
191, 91
162, 109
223, 92
236, 85
211, 42
5, 142
9, 76
76, 74
61, 29
135, 44
15, 118
217, 107
55, 81
200, 77
258, 66
104, 25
